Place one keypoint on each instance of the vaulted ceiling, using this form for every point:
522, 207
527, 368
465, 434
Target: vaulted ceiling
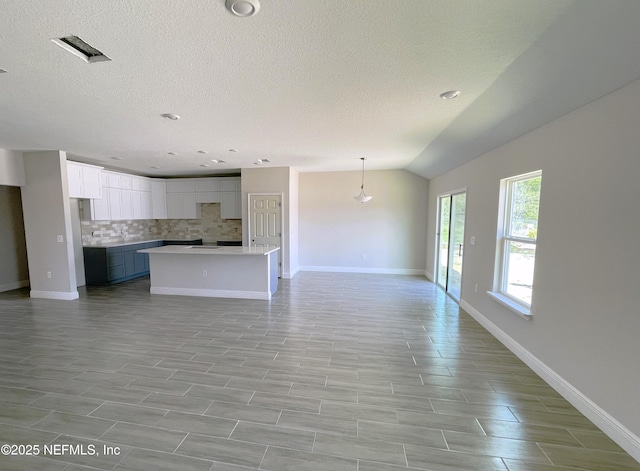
312, 84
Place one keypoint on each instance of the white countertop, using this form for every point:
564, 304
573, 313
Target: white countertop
209, 250
107, 245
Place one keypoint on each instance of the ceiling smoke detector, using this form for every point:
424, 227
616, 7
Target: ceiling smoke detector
243, 8
81, 49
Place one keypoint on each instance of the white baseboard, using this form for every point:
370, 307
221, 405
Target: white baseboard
608, 424
61, 295
429, 276
380, 271
14, 285
289, 275
211, 293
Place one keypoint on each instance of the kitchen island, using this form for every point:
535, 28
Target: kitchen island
214, 271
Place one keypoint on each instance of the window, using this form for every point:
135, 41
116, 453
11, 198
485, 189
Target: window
518, 233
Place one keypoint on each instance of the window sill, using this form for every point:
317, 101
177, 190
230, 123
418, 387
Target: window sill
513, 306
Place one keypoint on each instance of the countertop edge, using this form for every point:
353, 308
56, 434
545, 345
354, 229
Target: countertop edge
221, 250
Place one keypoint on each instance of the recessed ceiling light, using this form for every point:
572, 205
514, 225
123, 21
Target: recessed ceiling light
261, 161
172, 153
233, 150
2, 71
204, 165
450, 95
171, 116
202, 152
116, 158
243, 7
216, 161
154, 167
81, 49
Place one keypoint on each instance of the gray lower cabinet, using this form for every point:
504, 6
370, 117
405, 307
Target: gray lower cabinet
110, 265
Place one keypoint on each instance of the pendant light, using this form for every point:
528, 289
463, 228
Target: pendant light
362, 197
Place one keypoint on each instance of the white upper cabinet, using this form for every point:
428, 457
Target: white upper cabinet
158, 199
231, 198
230, 207
84, 180
133, 197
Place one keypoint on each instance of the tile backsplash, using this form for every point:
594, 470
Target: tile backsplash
210, 228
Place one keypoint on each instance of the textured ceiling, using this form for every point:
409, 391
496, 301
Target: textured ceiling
312, 84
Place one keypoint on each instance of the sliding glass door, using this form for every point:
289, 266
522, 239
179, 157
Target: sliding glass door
451, 216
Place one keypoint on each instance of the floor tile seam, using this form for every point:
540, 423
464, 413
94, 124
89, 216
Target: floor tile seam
165, 412
57, 434
29, 403
299, 428
181, 442
544, 454
50, 412
235, 440
71, 435
146, 366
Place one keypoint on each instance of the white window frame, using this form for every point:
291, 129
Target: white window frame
500, 294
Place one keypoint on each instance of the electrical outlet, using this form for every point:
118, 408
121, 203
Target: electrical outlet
48, 274
204, 272
476, 288
364, 256
60, 238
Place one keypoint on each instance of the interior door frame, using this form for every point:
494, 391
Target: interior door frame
282, 233
436, 272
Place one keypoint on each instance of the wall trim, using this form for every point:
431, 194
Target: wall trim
60, 295
429, 276
379, 271
212, 293
601, 418
14, 285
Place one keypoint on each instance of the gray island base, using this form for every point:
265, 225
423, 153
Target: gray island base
214, 271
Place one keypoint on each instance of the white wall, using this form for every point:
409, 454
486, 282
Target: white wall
11, 168
294, 216
583, 337
335, 231
47, 215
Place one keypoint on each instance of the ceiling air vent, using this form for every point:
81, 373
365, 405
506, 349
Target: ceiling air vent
78, 47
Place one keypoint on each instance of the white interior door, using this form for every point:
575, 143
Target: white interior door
265, 222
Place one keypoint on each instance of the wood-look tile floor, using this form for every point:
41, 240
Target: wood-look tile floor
339, 372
